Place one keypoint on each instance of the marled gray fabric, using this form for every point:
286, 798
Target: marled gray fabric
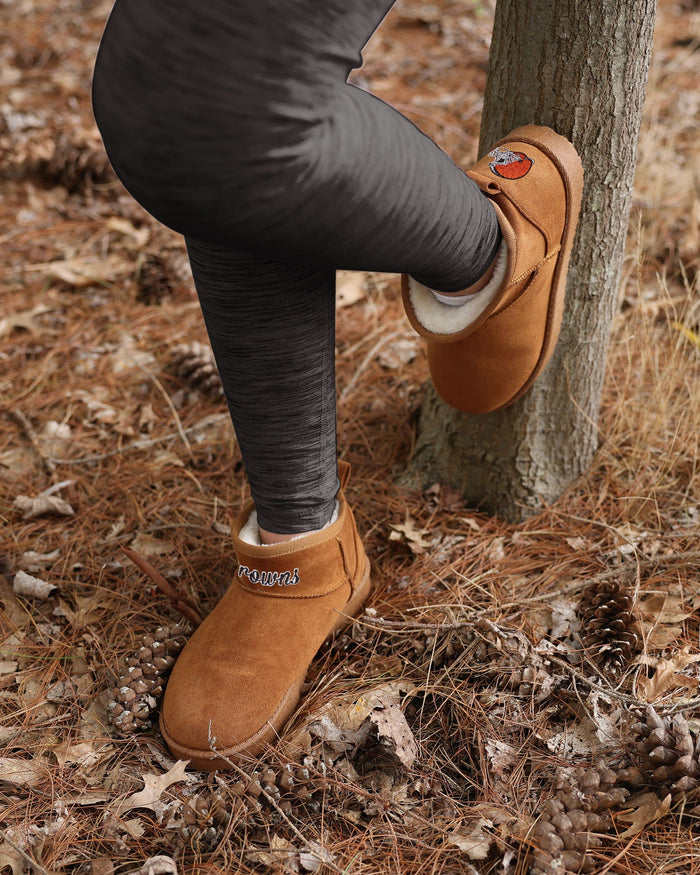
232, 122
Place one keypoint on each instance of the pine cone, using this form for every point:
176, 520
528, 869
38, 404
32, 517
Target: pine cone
153, 280
669, 754
573, 819
609, 632
142, 680
205, 816
194, 362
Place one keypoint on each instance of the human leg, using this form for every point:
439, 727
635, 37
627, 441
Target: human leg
234, 123
272, 328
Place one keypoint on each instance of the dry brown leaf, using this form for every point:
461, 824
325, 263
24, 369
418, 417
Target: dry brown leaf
32, 587
393, 728
33, 561
24, 319
502, 756
133, 827
10, 858
352, 713
646, 808
128, 357
578, 739
662, 607
476, 844
154, 786
398, 353
54, 438
160, 865
96, 404
667, 676
564, 617
411, 534
80, 272
350, 287
281, 853
147, 545
8, 666
82, 753
22, 773
496, 549
139, 236
314, 857
39, 505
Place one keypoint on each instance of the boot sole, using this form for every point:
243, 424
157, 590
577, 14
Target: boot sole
206, 761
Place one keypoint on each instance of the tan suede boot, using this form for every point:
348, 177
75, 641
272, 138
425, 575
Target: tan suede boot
486, 353
238, 679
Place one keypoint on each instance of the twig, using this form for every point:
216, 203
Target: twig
33, 438
180, 602
168, 400
651, 562
143, 444
25, 856
365, 361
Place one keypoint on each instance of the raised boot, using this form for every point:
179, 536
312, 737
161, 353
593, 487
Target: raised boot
238, 679
487, 352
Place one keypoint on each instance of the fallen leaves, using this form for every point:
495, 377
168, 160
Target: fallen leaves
22, 773
668, 675
160, 865
284, 856
644, 809
24, 319
153, 788
350, 287
27, 585
409, 533
79, 272
42, 505
476, 844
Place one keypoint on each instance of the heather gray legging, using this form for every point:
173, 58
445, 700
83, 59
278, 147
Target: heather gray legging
232, 122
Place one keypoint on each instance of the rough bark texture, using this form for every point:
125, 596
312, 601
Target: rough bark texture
580, 68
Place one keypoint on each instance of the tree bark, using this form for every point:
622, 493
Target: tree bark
580, 68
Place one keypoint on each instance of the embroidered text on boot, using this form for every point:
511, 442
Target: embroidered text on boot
269, 578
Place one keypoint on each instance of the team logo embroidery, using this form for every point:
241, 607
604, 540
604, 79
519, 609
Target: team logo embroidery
509, 165
269, 578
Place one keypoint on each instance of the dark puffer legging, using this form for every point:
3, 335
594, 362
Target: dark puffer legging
232, 122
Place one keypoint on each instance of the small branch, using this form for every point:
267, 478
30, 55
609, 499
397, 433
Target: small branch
186, 607
143, 444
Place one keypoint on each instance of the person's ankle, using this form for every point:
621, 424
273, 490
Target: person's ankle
253, 533
278, 538
456, 299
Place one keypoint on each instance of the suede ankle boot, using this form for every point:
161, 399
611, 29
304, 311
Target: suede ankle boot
239, 677
486, 353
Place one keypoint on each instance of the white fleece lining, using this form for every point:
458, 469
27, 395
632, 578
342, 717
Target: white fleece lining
249, 534
441, 318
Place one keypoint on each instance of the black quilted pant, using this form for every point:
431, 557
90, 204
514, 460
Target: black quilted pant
232, 122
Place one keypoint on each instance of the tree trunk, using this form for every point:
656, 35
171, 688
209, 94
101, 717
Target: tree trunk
580, 68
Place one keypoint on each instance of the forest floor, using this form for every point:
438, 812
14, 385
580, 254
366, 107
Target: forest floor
481, 716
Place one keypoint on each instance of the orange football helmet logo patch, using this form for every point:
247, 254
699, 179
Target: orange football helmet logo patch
508, 164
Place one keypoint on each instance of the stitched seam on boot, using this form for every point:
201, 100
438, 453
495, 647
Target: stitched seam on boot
345, 566
535, 268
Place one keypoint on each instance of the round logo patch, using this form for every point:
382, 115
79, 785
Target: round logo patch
509, 165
